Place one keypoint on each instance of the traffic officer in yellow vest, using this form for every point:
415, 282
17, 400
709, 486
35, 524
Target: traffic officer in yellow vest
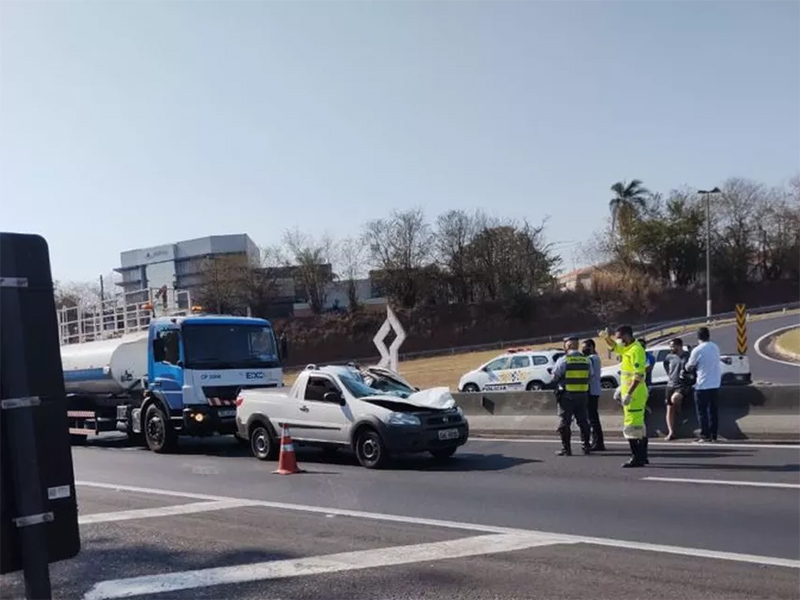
571, 375
632, 392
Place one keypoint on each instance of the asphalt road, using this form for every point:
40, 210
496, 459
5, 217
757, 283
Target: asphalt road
502, 519
762, 370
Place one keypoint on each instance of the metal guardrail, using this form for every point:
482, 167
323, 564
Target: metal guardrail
648, 330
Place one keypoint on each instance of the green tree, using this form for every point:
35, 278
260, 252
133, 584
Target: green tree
629, 199
509, 262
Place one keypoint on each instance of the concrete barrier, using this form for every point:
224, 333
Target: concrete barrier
745, 413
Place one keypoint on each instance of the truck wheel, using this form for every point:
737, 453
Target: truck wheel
442, 453
158, 432
262, 444
370, 450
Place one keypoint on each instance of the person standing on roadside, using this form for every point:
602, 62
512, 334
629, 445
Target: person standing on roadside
572, 373
679, 383
632, 392
596, 429
704, 360
651, 362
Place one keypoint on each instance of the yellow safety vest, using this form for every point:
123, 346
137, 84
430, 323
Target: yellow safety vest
634, 364
576, 376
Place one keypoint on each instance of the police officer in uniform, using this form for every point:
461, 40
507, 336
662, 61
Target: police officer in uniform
571, 375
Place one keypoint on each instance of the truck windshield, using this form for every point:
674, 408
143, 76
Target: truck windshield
229, 346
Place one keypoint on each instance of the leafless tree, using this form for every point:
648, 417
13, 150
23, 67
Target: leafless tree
401, 247
225, 284
71, 294
351, 259
313, 259
455, 231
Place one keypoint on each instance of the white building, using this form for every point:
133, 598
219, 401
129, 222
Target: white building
180, 265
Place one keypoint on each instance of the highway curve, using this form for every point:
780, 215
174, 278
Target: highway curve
762, 369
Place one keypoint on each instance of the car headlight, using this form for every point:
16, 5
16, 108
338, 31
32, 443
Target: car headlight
459, 411
397, 418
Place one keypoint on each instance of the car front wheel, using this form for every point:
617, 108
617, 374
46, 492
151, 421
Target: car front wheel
262, 445
470, 388
370, 450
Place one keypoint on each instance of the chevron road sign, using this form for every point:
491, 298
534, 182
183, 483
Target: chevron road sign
389, 356
741, 329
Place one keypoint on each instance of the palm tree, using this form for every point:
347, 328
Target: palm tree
628, 200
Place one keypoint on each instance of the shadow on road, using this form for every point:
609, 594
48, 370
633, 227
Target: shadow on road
228, 447
103, 558
671, 454
466, 462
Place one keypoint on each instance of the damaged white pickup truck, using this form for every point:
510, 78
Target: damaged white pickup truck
334, 407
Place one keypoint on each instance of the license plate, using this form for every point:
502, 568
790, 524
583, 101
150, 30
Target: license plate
227, 412
448, 434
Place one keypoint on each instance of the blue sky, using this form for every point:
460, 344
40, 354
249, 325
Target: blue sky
128, 124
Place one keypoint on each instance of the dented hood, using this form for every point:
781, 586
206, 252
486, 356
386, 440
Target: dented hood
437, 398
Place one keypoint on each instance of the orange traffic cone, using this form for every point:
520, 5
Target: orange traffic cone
287, 462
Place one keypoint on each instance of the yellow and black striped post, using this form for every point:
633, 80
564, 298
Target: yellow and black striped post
741, 329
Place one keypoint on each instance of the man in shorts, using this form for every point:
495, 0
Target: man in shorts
679, 383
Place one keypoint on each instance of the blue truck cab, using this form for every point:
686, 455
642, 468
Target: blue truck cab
196, 366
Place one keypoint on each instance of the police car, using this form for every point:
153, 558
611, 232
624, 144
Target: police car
516, 370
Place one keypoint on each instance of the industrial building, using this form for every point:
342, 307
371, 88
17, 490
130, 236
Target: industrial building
180, 265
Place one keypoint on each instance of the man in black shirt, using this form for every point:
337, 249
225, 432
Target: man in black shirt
679, 382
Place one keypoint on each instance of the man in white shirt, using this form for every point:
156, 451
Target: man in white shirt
705, 361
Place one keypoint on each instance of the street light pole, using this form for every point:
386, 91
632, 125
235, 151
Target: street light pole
706, 194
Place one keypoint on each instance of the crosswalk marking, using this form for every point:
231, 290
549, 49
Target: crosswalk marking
316, 565
163, 511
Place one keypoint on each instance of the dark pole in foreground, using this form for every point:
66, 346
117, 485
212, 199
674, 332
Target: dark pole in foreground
19, 427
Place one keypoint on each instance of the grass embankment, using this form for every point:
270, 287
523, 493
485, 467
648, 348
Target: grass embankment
788, 343
446, 370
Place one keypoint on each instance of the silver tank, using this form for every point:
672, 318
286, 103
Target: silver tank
105, 367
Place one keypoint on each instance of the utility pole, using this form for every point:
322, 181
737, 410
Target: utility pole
706, 194
102, 291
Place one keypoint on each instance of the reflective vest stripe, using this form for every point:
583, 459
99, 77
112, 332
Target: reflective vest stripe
577, 374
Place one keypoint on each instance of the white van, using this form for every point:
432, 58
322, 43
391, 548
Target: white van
735, 369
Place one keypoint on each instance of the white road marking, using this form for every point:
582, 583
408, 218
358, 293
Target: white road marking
761, 340
765, 484
563, 538
164, 511
332, 563
653, 442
